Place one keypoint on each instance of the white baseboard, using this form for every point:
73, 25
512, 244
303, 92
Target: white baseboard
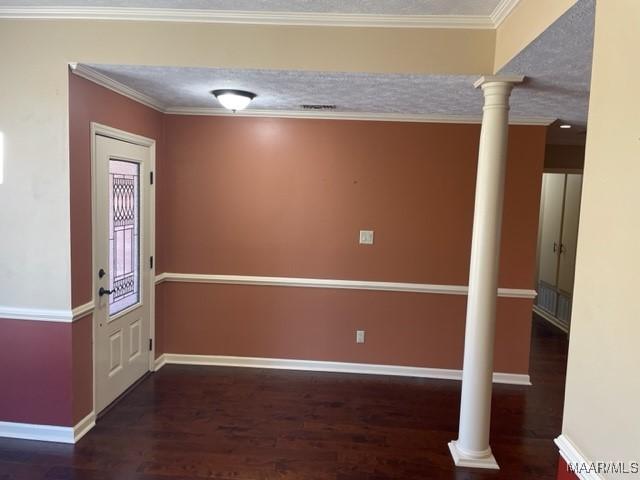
551, 319
83, 427
159, 362
48, 433
573, 456
336, 367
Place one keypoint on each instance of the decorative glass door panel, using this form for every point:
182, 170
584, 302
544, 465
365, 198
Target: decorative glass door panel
124, 235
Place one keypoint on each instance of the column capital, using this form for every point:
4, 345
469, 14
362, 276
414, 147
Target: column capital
510, 79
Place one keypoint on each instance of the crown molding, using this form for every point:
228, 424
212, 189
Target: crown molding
502, 11
482, 22
362, 116
366, 116
249, 17
107, 82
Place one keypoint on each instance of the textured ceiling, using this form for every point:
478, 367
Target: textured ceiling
381, 7
288, 90
557, 66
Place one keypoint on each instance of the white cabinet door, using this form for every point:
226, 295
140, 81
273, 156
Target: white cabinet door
551, 226
569, 242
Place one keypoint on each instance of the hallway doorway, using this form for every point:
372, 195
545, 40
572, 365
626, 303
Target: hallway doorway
557, 244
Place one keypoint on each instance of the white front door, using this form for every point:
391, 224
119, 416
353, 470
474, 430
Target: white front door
122, 269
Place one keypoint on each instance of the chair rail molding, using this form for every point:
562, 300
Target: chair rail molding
335, 284
47, 315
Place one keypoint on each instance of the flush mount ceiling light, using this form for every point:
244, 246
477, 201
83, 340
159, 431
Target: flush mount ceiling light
233, 100
566, 125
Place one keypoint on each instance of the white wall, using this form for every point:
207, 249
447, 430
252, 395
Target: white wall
34, 197
602, 406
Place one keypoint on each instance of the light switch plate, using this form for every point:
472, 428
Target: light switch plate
366, 237
359, 336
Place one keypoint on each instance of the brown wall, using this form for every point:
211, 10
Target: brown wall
422, 330
564, 157
82, 368
285, 197
36, 378
88, 103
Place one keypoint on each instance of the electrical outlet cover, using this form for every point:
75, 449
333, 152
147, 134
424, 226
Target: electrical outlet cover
366, 237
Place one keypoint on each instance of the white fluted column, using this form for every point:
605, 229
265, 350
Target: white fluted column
472, 447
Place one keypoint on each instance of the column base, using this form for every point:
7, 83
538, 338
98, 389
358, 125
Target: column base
463, 459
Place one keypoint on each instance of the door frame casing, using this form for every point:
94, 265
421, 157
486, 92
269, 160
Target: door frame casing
116, 134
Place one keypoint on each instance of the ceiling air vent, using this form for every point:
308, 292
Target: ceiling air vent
317, 106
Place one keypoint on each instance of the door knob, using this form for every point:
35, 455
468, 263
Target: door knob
104, 291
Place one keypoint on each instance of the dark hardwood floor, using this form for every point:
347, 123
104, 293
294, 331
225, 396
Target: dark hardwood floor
193, 422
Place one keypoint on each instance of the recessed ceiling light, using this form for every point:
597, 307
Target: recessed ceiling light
566, 125
233, 100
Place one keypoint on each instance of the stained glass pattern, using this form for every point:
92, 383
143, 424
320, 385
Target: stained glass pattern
124, 234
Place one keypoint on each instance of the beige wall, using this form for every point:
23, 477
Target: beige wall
350, 49
35, 258
603, 388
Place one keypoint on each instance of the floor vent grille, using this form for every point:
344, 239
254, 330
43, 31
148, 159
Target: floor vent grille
547, 297
564, 308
